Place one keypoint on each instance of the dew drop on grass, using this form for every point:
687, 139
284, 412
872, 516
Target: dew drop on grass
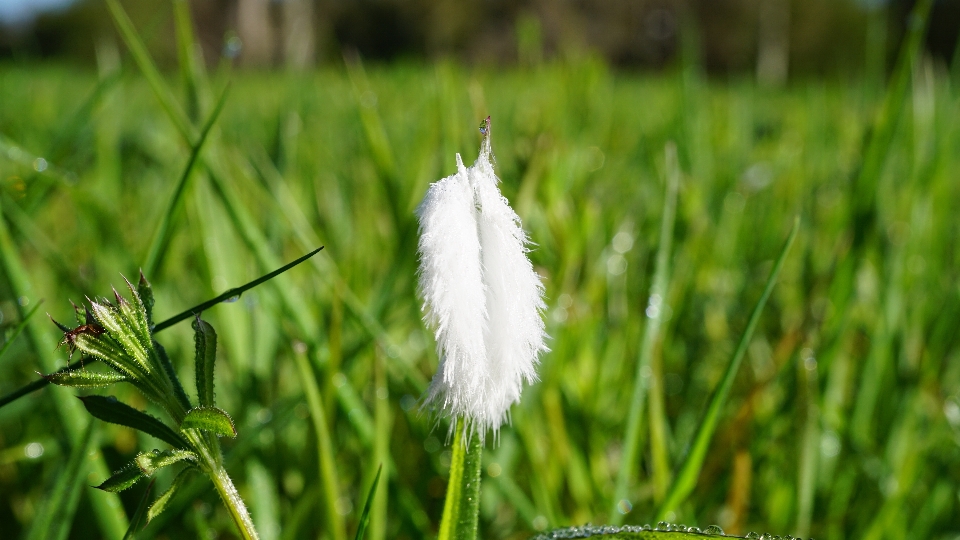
714, 529
33, 450
232, 299
663, 526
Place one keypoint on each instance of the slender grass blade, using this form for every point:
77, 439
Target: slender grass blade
651, 333
365, 515
56, 516
689, 471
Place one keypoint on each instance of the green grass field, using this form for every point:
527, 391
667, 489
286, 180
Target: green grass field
844, 418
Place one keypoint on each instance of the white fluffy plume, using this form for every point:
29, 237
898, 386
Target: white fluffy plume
480, 294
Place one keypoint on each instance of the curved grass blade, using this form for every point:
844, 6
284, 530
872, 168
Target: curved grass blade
878, 146
110, 410
651, 332
191, 69
327, 466
17, 330
141, 506
231, 293
195, 310
161, 236
365, 515
55, 517
686, 478
142, 58
286, 202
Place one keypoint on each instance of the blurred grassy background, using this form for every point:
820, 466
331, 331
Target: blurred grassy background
844, 421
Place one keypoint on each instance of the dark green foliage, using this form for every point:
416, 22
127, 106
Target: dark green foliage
110, 410
138, 514
123, 479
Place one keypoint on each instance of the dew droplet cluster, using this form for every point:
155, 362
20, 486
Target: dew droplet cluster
590, 531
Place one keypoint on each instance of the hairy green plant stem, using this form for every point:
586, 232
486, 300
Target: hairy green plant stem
461, 509
211, 461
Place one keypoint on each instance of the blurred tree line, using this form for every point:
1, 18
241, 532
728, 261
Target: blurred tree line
774, 38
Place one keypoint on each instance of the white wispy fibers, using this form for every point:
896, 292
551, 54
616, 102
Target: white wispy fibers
480, 294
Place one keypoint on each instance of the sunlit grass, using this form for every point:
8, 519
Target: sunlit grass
845, 409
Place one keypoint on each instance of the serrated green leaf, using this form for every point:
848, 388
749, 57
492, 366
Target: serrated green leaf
163, 500
210, 419
150, 461
205, 339
83, 378
122, 479
110, 410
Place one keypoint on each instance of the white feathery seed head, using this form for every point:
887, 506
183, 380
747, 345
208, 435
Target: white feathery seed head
481, 296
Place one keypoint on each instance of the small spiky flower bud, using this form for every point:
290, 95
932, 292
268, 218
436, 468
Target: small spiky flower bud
481, 295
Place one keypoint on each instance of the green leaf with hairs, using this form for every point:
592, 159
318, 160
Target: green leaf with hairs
163, 500
122, 479
210, 419
205, 339
150, 462
83, 378
110, 410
